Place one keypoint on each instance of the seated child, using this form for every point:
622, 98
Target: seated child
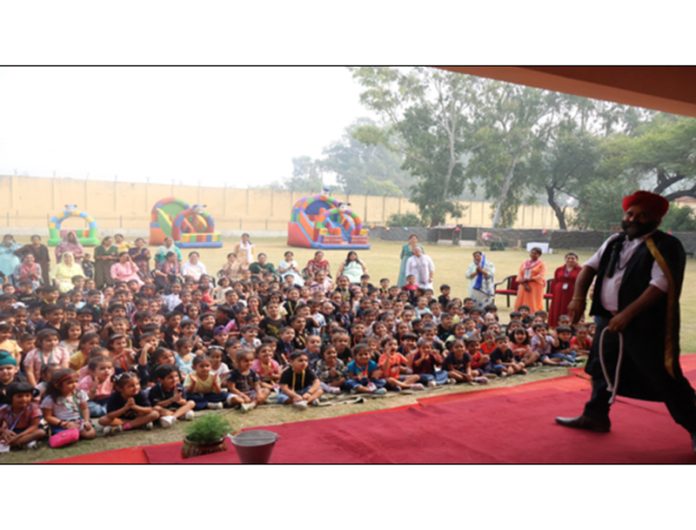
458, 365
561, 349
581, 343
7, 344
65, 406
184, 355
204, 388
20, 419
425, 363
266, 366
47, 371
362, 373
488, 344
330, 370
73, 330
503, 359
521, 348
97, 384
80, 358
128, 407
298, 383
285, 345
122, 356
217, 366
167, 396
47, 351
244, 384
542, 343
394, 367
479, 362
9, 373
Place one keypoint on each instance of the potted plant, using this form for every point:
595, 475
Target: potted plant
205, 435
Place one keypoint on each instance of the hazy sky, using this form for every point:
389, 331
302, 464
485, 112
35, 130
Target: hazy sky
240, 126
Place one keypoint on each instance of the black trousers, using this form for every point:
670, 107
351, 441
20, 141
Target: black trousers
679, 396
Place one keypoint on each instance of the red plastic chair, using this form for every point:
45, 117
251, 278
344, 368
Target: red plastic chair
510, 289
548, 296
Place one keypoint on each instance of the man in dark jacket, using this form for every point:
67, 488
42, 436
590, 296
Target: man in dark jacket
639, 278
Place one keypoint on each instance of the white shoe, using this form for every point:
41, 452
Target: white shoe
189, 415
246, 407
302, 405
417, 386
111, 430
432, 384
33, 445
149, 426
215, 406
167, 421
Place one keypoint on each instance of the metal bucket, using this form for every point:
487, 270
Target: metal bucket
254, 447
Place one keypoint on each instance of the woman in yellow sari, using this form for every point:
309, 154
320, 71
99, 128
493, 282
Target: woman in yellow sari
532, 282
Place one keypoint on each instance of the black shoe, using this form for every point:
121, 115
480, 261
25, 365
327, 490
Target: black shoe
587, 423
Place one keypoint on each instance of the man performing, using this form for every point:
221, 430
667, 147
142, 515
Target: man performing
639, 278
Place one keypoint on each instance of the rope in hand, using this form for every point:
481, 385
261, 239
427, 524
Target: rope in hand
613, 388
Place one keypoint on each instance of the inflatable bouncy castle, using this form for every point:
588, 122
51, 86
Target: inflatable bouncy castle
323, 222
189, 226
88, 237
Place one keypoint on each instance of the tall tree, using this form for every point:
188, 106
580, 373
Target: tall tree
564, 166
364, 164
662, 154
306, 175
510, 123
429, 110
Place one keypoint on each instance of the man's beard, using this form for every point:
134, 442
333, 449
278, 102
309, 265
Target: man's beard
635, 229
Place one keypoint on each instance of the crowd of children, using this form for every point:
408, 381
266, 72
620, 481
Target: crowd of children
94, 362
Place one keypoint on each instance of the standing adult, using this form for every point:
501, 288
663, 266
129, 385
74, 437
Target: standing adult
141, 257
481, 275
72, 245
8, 257
352, 268
532, 282
41, 256
563, 287
245, 251
406, 252
639, 274
422, 267
105, 255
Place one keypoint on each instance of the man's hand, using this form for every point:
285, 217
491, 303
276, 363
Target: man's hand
576, 309
619, 322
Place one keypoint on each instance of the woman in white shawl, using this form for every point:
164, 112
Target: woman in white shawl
480, 273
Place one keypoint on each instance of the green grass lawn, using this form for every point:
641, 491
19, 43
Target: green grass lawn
382, 261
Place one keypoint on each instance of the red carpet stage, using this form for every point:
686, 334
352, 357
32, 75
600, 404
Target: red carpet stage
502, 425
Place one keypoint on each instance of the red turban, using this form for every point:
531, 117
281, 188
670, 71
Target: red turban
652, 202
